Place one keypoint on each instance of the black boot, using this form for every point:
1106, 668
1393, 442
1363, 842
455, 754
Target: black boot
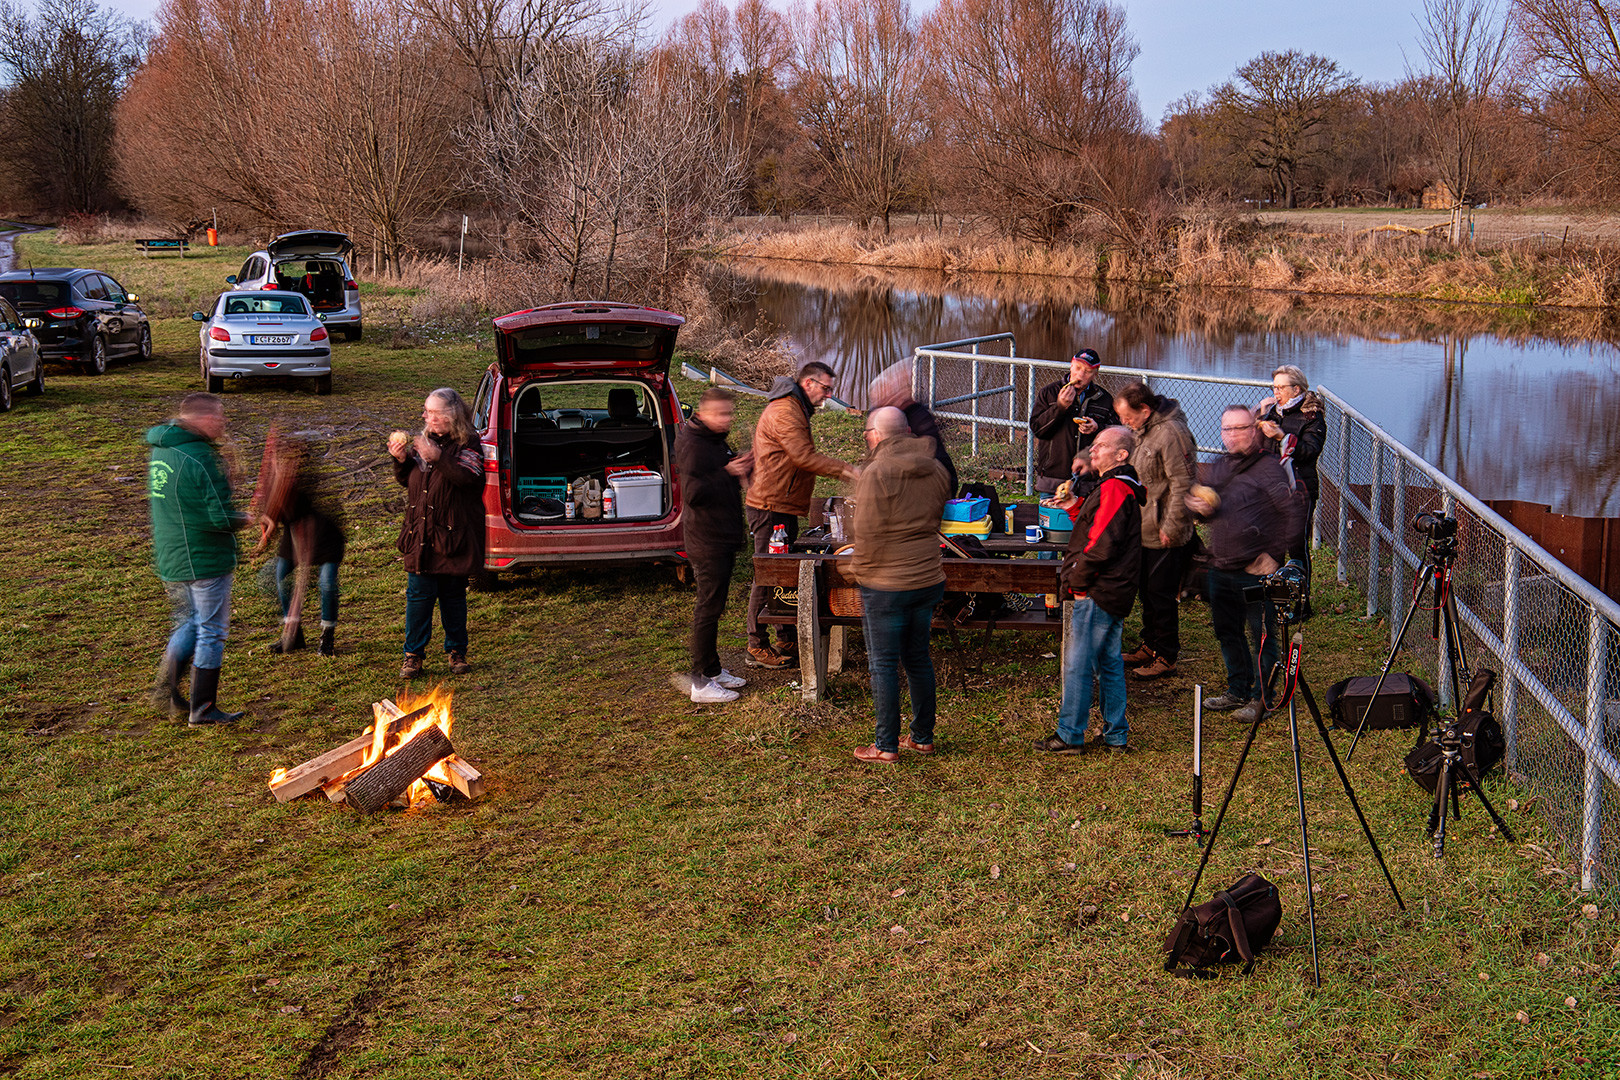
328, 646
204, 685
297, 641
166, 691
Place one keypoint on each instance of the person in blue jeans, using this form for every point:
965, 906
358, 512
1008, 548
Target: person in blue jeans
310, 518
899, 501
1101, 570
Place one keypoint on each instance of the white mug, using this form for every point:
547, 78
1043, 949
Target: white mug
1033, 534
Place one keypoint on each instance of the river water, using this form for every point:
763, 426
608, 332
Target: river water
1513, 405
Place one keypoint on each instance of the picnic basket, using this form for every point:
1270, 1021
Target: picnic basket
845, 600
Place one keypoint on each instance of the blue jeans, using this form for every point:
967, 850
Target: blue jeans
328, 580
1231, 617
202, 619
421, 590
1091, 658
896, 626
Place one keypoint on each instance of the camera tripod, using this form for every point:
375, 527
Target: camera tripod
1455, 773
1295, 684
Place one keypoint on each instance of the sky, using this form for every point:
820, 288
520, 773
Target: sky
1195, 44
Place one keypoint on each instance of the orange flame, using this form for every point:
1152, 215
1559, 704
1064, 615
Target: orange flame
437, 701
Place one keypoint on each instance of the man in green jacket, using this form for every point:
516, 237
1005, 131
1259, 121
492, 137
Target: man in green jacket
193, 541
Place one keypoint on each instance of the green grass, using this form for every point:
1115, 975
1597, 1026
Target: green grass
653, 888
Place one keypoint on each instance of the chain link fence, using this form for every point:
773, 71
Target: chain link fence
1552, 637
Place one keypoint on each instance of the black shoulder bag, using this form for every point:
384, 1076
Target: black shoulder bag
1234, 926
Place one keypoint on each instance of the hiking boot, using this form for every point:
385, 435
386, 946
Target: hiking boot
765, 657
908, 743
1224, 703
458, 664
297, 642
871, 755
328, 646
728, 680
1158, 667
1248, 714
412, 667
709, 692
788, 650
1141, 656
1052, 744
204, 688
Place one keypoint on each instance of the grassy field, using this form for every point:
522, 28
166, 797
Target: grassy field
653, 888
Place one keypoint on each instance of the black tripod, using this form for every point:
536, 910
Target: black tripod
1455, 772
1295, 681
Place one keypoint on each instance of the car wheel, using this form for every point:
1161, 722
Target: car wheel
216, 384
98, 356
323, 384
146, 343
202, 365
353, 333
5, 389
36, 386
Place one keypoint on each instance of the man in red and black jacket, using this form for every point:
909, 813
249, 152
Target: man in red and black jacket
1100, 570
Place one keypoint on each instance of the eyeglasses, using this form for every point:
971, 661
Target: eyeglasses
1244, 427
827, 386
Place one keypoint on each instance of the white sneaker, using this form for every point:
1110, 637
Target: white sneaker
729, 681
710, 693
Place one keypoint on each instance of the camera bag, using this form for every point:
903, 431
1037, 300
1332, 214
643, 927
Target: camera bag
1405, 701
1232, 927
1480, 742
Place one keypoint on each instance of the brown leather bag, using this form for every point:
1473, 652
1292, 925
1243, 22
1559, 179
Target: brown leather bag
1232, 927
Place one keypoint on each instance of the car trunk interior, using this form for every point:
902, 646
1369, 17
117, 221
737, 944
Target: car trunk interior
597, 430
319, 279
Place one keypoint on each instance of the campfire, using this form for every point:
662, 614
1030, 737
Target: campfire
404, 758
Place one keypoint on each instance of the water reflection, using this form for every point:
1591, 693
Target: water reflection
1513, 405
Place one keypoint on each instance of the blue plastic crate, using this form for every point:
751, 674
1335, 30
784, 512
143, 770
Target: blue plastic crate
966, 509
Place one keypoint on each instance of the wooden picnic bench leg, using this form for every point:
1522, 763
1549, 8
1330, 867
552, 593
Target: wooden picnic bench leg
837, 638
812, 639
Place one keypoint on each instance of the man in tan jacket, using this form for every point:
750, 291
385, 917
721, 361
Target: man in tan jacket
786, 465
898, 505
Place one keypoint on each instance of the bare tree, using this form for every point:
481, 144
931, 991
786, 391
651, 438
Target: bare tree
1465, 43
1278, 112
1570, 49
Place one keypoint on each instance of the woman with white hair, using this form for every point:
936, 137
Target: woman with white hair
1292, 420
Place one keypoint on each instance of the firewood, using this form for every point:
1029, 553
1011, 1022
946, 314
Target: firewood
467, 779
322, 770
387, 779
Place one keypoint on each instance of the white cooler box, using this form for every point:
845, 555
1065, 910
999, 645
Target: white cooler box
637, 494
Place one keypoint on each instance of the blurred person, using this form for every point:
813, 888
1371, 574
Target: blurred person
712, 525
892, 387
1255, 519
442, 536
1294, 422
899, 501
1065, 418
193, 541
297, 501
786, 465
1100, 570
1165, 463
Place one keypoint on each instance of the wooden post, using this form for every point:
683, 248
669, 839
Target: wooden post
385, 781
812, 643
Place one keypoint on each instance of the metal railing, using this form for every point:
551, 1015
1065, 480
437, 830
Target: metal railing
1553, 637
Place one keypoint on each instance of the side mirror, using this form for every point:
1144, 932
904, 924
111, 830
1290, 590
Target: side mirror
132, 298
230, 279
197, 316
686, 411
321, 316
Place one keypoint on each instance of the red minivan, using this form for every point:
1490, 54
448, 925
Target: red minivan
580, 392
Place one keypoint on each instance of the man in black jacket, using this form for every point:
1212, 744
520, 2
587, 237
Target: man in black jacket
1100, 570
1255, 516
1065, 419
712, 525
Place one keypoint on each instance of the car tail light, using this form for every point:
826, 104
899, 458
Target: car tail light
492, 458
219, 334
269, 285
351, 286
65, 312
318, 334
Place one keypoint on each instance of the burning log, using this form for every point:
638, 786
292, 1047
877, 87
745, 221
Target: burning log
332, 765
385, 781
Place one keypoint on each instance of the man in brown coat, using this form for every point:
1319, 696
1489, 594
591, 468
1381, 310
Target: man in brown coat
786, 465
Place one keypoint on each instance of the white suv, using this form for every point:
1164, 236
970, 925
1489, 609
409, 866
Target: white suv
313, 262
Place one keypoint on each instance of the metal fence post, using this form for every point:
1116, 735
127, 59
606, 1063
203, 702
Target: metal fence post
1442, 667
1397, 561
1597, 669
1343, 480
1375, 516
1029, 438
1510, 646
975, 389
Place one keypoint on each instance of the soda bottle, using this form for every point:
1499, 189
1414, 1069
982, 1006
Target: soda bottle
568, 502
1054, 610
609, 503
779, 540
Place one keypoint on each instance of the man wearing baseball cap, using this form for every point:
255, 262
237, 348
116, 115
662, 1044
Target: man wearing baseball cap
1066, 418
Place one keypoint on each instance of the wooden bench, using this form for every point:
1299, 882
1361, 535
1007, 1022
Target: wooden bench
806, 579
161, 243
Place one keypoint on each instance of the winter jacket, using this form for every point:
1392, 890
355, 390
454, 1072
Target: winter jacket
1056, 427
193, 521
1104, 559
711, 498
1304, 434
1165, 461
785, 460
313, 508
1260, 512
899, 502
924, 426
443, 530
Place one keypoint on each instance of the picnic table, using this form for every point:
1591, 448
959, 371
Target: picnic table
163, 243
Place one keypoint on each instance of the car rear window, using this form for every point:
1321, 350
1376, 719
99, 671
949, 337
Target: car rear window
589, 341
291, 304
33, 292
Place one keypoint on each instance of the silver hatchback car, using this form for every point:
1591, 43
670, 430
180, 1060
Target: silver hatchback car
261, 334
20, 362
313, 262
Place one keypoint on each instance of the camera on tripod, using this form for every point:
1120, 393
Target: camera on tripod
1441, 529
1286, 589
